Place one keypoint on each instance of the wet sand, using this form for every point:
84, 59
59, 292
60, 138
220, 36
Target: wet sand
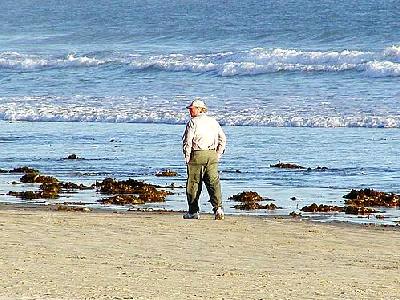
103, 255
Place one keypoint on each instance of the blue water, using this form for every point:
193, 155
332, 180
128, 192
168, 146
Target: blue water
280, 73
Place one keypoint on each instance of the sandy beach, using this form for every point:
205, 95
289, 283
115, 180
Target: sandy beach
48, 254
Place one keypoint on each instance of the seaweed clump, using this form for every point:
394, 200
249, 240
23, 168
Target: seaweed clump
166, 173
322, 208
50, 187
255, 205
287, 166
37, 178
360, 202
62, 207
24, 170
249, 196
130, 192
250, 201
370, 197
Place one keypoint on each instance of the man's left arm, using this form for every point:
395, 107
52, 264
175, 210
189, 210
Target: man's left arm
221, 141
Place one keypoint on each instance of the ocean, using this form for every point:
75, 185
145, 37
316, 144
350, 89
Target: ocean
309, 82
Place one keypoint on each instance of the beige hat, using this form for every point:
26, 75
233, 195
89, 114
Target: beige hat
197, 103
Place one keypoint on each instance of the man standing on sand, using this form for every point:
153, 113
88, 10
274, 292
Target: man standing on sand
203, 144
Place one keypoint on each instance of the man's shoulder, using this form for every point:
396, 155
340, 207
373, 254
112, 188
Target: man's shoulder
204, 118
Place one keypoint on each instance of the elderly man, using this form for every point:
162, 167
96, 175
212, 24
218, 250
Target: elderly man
203, 144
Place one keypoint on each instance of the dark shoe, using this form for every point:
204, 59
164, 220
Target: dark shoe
191, 216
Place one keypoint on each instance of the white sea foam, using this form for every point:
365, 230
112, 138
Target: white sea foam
18, 61
382, 69
393, 52
84, 60
252, 62
36, 109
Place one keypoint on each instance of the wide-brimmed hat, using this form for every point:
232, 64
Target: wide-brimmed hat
197, 103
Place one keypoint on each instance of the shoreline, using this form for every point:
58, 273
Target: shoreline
312, 219
50, 254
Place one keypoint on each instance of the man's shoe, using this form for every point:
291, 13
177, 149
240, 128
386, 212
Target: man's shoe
191, 216
219, 214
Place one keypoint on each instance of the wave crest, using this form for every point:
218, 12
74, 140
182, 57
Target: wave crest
36, 109
241, 63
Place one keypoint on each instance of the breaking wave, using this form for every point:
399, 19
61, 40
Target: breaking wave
36, 109
241, 63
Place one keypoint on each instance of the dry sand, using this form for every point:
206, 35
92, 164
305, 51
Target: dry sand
72, 255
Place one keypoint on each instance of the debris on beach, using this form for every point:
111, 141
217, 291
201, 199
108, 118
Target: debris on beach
359, 210
287, 166
166, 173
255, 205
350, 209
372, 198
62, 207
73, 186
50, 187
250, 201
322, 208
33, 195
122, 200
249, 196
130, 192
294, 214
360, 202
37, 178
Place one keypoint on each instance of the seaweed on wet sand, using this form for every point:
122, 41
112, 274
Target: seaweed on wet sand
322, 208
370, 197
359, 210
37, 178
50, 187
63, 207
294, 214
250, 201
130, 191
166, 173
361, 202
122, 200
247, 196
255, 205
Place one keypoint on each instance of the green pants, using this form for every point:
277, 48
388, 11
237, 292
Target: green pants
203, 167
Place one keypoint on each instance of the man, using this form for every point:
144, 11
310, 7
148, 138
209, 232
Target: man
203, 144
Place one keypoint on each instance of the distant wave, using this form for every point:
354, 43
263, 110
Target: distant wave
28, 111
241, 63
17, 61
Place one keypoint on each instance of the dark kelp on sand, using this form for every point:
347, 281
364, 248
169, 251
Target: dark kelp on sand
359, 202
130, 191
251, 200
50, 187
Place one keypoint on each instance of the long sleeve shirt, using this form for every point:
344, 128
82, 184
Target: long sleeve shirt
203, 133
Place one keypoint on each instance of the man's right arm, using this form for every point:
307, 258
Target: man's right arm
187, 141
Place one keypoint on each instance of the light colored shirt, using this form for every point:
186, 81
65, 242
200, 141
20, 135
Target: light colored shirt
203, 133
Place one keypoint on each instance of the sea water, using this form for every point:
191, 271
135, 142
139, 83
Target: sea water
308, 82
